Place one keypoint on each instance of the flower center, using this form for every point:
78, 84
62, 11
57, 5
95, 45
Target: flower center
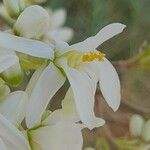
93, 56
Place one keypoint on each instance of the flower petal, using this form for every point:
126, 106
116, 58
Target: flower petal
12, 134
109, 83
84, 88
8, 107
27, 46
64, 34
6, 61
32, 23
68, 111
33, 80
47, 85
63, 135
58, 18
103, 35
2, 145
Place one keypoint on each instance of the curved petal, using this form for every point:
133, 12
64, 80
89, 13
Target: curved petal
47, 85
103, 35
33, 80
68, 111
58, 18
109, 83
33, 22
6, 61
27, 46
2, 145
84, 88
8, 107
12, 134
63, 135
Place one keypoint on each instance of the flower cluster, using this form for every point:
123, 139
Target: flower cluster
37, 43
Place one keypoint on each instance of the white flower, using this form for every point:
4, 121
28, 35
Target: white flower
56, 29
82, 67
59, 130
48, 135
12, 112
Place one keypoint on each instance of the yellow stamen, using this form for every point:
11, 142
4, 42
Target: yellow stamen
93, 56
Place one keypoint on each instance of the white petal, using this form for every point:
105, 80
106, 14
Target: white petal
53, 118
2, 145
33, 80
12, 134
83, 88
33, 22
103, 35
62, 136
58, 18
109, 83
68, 111
6, 61
47, 85
64, 34
27, 46
69, 107
14, 107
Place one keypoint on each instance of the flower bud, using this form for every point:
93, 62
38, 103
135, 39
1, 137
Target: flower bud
146, 131
32, 23
14, 7
136, 125
4, 89
14, 75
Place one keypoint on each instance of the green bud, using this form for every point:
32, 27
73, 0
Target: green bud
136, 125
146, 131
30, 63
14, 7
14, 75
4, 89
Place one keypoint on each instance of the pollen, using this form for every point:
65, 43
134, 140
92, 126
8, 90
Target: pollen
93, 56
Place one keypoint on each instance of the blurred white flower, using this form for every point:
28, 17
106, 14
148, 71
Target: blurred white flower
14, 7
56, 30
81, 64
12, 112
146, 131
136, 125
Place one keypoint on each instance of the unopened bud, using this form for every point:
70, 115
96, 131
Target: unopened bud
14, 7
136, 125
14, 75
4, 89
146, 131
33, 22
